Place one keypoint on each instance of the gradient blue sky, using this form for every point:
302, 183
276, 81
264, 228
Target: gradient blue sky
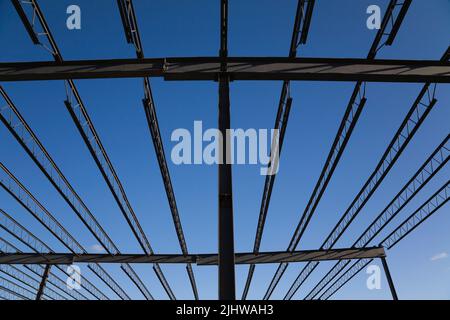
263, 28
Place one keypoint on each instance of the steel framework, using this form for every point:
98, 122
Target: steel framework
130, 25
85, 126
238, 68
222, 69
348, 123
200, 259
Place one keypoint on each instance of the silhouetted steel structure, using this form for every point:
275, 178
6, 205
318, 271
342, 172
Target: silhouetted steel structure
132, 35
43, 261
238, 68
354, 108
200, 259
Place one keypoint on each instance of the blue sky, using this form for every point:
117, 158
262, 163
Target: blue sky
256, 28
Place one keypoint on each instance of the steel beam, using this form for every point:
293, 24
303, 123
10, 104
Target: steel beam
130, 24
16, 289
306, 21
26, 199
435, 162
238, 68
226, 233
39, 154
199, 259
352, 113
17, 274
26, 23
223, 52
43, 282
389, 278
226, 257
423, 213
90, 136
417, 114
53, 279
396, 26
301, 26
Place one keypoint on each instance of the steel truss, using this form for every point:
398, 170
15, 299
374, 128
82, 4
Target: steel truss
403, 136
22, 292
24, 197
199, 259
299, 36
422, 106
43, 282
27, 280
222, 69
238, 68
38, 270
354, 108
130, 25
81, 118
435, 162
226, 255
22, 132
425, 211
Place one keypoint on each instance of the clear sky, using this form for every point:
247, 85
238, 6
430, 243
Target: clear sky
256, 28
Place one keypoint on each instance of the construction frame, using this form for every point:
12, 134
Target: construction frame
221, 69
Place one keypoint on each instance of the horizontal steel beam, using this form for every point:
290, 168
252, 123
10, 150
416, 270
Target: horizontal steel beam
199, 259
248, 68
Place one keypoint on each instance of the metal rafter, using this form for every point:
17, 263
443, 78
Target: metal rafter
425, 211
226, 254
24, 278
42, 284
353, 111
92, 140
389, 278
130, 25
22, 195
299, 35
346, 277
22, 132
10, 295
19, 290
436, 201
413, 120
435, 162
55, 281
238, 69
7, 294
22, 234
417, 114
199, 259
225, 69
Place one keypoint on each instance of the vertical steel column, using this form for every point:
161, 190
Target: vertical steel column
43, 282
223, 29
389, 278
226, 236
226, 233
227, 287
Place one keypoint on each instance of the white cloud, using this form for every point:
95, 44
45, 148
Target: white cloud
439, 256
97, 248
